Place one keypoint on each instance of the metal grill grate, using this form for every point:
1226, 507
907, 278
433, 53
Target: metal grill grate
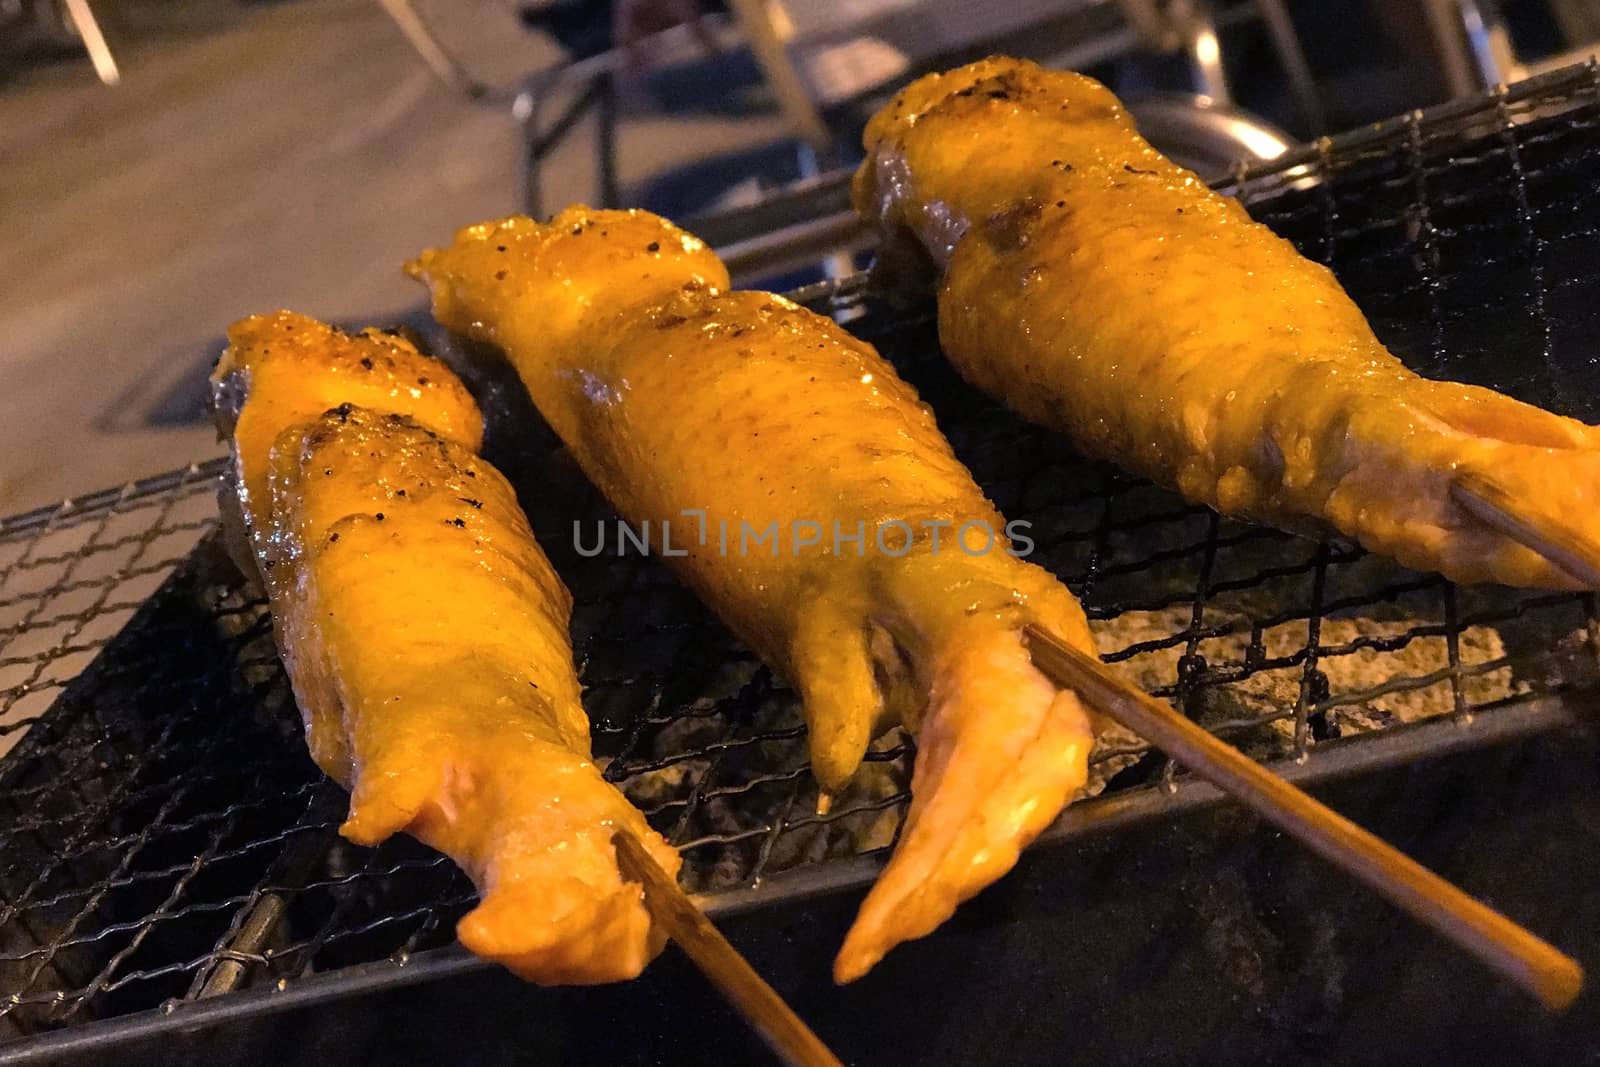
166, 839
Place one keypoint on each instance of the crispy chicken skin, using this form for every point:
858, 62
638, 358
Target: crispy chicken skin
676, 395
425, 635
1100, 290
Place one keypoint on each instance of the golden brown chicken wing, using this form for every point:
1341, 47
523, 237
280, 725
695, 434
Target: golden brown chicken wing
1101, 290
425, 635
807, 489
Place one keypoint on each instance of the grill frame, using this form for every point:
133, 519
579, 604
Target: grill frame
1168, 794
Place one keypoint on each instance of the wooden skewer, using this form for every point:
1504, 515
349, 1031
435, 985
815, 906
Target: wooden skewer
782, 1030
1548, 974
94, 42
1495, 508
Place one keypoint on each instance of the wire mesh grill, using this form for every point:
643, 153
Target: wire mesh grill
166, 838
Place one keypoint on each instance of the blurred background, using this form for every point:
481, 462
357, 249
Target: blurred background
167, 166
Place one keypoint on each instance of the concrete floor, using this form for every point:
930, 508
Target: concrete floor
286, 156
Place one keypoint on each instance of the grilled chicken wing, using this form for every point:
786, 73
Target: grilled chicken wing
425, 635
678, 396
1101, 290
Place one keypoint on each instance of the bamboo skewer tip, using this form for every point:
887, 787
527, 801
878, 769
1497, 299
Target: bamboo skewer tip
749, 994
1550, 975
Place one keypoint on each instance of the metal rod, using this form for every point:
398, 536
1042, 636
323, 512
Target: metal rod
1548, 974
1543, 86
720, 962
1292, 57
259, 917
1449, 25
795, 246
1205, 55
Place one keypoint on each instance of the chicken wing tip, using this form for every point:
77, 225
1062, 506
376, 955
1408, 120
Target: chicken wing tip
852, 964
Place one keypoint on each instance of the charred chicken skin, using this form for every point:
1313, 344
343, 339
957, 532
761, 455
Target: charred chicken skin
722, 413
1100, 290
425, 636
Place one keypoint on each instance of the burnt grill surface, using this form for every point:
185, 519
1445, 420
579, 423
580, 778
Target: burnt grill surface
166, 839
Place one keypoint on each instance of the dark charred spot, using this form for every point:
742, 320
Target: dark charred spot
366, 361
577, 230
1008, 230
457, 522
333, 536
422, 381
999, 94
1061, 203
343, 411
968, 91
470, 473
1180, 211
653, 246
327, 472
499, 248
1131, 169
399, 492
379, 516
500, 275
471, 503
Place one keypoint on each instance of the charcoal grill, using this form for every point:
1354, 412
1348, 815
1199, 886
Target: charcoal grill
171, 867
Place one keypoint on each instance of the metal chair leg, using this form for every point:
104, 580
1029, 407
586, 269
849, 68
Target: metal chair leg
525, 109
605, 140
1292, 57
428, 47
538, 142
1204, 48
768, 48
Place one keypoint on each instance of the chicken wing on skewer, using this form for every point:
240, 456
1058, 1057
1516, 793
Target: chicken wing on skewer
678, 397
425, 635
1101, 290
